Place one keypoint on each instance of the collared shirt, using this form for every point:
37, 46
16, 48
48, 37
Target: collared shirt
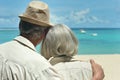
72, 70
20, 61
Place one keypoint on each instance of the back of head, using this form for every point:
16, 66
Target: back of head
34, 21
30, 30
37, 12
60, 41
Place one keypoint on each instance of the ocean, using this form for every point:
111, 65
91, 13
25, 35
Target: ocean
91, 40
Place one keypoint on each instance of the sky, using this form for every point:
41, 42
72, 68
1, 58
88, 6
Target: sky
74, 13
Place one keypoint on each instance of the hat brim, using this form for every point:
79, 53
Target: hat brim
34, 21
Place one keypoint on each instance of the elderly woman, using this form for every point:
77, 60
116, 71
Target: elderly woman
59, 47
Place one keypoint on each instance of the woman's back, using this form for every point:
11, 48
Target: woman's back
74, 70
59, 47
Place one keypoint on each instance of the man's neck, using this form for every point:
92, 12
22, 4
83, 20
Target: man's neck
34, 42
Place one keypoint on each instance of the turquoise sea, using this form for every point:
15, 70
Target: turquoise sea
91, 40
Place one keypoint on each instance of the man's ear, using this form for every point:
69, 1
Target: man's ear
42, 36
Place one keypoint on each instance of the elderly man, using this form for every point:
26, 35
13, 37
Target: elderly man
19, 59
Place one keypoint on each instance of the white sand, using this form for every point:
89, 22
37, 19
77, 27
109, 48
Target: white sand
110, 64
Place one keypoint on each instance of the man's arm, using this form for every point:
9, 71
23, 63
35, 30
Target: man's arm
98, 73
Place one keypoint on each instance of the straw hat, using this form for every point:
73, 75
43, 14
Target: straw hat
37, 13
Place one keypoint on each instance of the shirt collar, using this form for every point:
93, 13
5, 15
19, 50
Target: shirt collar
26, 42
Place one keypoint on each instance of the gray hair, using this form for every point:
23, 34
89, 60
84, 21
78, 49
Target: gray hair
31, 30
59, 41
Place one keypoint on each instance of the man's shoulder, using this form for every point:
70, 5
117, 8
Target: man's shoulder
23, 56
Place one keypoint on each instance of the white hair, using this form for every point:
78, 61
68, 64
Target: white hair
59, 41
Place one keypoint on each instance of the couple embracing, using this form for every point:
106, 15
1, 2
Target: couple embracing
19, 59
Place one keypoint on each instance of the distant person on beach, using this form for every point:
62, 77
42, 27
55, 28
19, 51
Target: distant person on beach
59, 46
19, 59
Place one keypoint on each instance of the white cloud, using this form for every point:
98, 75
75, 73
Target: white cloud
7, 16
58, 19
2, 20
94, 19
78, 17
7, 20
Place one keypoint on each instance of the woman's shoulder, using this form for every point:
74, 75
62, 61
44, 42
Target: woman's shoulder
79, 70
74, 65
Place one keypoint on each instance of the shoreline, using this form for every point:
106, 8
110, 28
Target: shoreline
109, 62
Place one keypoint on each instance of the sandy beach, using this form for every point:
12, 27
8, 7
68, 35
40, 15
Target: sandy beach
110, 64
